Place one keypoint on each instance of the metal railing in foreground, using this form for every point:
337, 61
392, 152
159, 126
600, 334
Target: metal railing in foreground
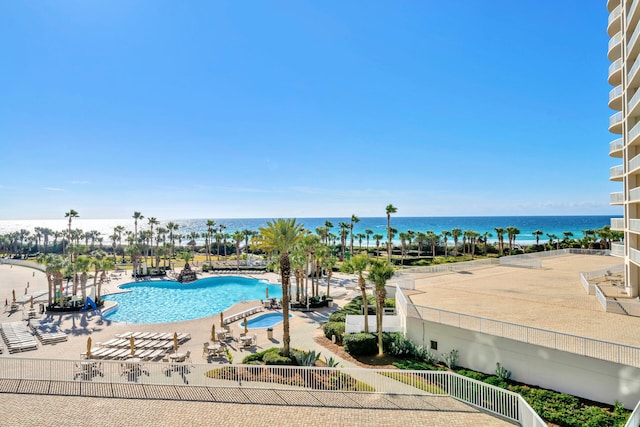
74, 374
590, 347
634, 418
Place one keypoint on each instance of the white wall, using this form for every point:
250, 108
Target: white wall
581, 376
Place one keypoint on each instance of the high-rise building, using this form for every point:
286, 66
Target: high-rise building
624, 75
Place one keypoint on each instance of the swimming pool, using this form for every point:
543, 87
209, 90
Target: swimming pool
165, 301
265, 320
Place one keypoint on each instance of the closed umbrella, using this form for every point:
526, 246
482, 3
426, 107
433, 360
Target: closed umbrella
221, 320
213, 332
175, 342
31, 302
89, 348
267, 292
14, 295
132, 345
246, 329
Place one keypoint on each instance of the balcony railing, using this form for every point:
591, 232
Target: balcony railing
615, 72
611, 4
634, 163
616, 198
107, 375
613, 16
614, 47
615, 122
634, 225
634, 195
616, 145
615, 93
631, 13
617, 249
616, 172
632, 41
634, 255
634, 133
617, 223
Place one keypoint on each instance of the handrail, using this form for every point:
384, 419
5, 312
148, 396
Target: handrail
495, 400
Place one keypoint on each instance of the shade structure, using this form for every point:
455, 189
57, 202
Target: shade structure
213, 332
221, 320
89, 348
246, 329
132, 346
175, 342
267, 292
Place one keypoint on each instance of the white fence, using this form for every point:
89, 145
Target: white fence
354, 324
634, 418
23, 263
604, 350
69, 375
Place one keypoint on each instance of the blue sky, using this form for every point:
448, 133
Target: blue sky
304, 108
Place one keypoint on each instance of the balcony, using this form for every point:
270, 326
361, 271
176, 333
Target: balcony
616, 198
615, 148
614, 52
633, 134
615, 20
616, 173
634, 255
617, 224
634, 164
634, 195
617, 249
615, 123
633, 47
615, 98
612, 4
615, 73
634, 225
632, 16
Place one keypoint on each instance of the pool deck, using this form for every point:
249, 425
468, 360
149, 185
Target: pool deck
27, 409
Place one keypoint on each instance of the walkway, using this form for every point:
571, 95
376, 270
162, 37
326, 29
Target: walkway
48, 402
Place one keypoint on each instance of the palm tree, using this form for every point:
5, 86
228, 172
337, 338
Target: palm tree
390, 209
487, 235
455, 233
433, 240
378, 238
380, 273
136, 217
420, 238
238, 236
357, 265
328, 226
172, 226
354, 219
344, 230
152, 221
54, 265
512, 232
500, 235
368, 232
71, 214
328, 264
279, 237
210, 228
537, 233
403, 245
445, 237
247, 235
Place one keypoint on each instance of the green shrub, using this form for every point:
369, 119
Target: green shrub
337, 316
502, 372
415, 365
360, 344
258, 357
396, 344
274, 358
334, 328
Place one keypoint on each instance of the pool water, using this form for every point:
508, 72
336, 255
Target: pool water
165, 301
265, 320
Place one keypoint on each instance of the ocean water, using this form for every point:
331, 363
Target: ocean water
527, 224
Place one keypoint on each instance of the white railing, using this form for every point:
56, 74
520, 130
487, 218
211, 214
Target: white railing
634, 132
632, 12
634, 194
521, 261
632, 40
616, 198
616, 269
615, 119
615, 93
23, 263
632, 103
617, 223
616, 39
354, 323
634, 69
634, 225
634, 255
615, 145
615, 14
617, 249
634, 418
495, 400
615, 66
601, 298
616, 171
242, 314
588, 287
454, 266
598, 349
634, 163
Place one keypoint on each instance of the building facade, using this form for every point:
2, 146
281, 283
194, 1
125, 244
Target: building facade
624, 99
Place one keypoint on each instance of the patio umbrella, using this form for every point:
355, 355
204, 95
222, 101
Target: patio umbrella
89, 348
132, 345
246, 329
213, 332
31, 302
221, 320
267, 292
14, 295
175, 342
